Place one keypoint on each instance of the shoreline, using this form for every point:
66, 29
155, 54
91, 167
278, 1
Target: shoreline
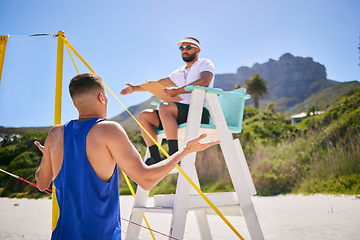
281, 217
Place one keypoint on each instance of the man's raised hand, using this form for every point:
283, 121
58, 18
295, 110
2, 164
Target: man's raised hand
40, 147
195, 145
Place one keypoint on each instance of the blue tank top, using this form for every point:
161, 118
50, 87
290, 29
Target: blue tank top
89, 207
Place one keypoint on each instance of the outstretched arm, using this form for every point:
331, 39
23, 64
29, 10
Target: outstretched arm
166, 82
160, 170
130, 89
129, 160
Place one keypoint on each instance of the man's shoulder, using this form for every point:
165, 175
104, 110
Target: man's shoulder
56, 133
56, 130
108, 131
108, 126
205, 61
207, 64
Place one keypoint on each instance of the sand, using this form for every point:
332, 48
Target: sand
281, 217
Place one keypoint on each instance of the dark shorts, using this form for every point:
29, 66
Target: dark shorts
183, 110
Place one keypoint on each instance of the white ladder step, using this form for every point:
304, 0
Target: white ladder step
226, 202
196, 201
153, 209
233, 210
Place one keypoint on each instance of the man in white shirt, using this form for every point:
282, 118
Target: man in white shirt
196, 71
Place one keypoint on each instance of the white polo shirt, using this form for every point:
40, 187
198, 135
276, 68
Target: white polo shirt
182, 76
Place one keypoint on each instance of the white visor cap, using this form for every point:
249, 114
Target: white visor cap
189, 40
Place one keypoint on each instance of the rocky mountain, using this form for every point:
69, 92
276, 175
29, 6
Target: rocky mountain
290, 79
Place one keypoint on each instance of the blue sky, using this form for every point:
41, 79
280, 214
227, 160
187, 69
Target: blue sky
131, 41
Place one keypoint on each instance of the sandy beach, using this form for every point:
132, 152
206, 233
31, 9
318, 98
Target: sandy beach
295, 217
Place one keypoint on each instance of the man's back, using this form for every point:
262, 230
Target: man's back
89, 206
98, 154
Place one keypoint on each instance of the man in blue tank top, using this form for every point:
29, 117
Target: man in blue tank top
82, 157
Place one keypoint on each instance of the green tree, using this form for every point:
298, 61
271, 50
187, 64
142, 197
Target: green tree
237, 86
256, 86
311, 111
271, 107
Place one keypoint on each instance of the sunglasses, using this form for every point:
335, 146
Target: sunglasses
187, 47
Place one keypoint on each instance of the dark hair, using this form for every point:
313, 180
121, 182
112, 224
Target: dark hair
84, 83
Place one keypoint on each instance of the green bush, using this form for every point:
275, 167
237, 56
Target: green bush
23, 161
348, 184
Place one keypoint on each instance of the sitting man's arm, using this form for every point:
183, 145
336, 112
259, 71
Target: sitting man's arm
129, 160
131, 88
166, 82
204, 80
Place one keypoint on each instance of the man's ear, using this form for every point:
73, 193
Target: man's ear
101, 98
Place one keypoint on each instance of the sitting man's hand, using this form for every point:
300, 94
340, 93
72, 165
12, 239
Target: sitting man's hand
173, 91
129, 89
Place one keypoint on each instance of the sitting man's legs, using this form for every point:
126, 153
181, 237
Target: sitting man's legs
168, 117
168, 113
149, 120
173, 114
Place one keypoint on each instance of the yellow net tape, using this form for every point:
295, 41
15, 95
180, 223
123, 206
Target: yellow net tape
162, 150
